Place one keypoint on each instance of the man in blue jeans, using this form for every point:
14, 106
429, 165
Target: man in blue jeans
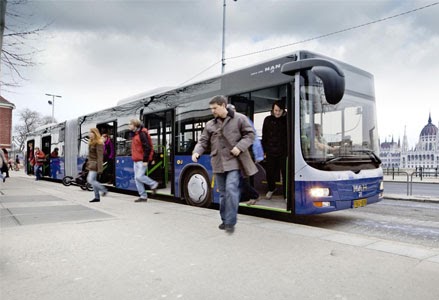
229, 135
141, 152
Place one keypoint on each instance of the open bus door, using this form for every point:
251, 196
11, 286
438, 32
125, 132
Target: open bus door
257, 105
108, 129
160, 128
256, 183
29, 157
46, 142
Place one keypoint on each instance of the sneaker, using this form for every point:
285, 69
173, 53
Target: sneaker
154, 188
95, 200
251, 202
222, 226
269, 195
141, 200
229, 228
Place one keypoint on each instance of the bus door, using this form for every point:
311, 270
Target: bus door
108, 132
257, 105
46, 141
30, 161
243, 104
160, 127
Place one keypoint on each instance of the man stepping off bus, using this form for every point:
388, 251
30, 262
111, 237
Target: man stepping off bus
229, 136
142, 153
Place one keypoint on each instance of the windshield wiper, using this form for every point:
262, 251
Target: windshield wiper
370, 153
332, 159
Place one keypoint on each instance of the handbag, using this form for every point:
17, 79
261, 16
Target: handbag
4, 168
245, 160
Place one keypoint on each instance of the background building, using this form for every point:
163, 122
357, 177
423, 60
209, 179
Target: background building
6, 108
425, 154
390, 154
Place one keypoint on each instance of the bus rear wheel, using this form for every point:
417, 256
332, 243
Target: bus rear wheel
197, 191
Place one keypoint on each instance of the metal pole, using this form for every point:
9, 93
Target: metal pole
53, 109
53, 105
223, 62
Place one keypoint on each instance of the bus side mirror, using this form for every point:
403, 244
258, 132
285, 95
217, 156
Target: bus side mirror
333, 83
330, 74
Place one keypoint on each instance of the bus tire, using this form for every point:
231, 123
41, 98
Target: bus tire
67, 180
196, 188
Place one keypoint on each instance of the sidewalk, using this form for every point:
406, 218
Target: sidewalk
57, 245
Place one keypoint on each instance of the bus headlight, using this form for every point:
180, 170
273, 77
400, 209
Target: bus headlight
381, 185
317, 192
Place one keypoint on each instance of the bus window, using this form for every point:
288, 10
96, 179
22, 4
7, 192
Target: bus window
190, 123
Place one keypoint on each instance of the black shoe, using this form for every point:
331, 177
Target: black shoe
95, 200
4, 179
230, 228
141, 200
222, 226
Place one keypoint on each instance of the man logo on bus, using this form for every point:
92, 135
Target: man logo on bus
359, 188
271, 69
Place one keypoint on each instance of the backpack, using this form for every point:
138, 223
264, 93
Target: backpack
151, 146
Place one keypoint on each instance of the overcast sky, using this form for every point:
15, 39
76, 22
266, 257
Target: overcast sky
95, 53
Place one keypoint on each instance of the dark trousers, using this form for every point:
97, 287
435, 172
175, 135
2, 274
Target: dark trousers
275, 165
248, 192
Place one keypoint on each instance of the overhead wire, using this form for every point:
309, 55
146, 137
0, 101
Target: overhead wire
317, 37
335, 32
211, 66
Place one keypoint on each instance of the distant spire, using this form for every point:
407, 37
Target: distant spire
429, 118
405, 144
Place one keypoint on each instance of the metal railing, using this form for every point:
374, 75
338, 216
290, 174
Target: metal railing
421, 173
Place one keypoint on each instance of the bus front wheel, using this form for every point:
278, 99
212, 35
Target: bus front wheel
197, 191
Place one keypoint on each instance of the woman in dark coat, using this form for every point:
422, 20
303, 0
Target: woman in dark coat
274, 137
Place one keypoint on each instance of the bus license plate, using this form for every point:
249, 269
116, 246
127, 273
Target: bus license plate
360, 203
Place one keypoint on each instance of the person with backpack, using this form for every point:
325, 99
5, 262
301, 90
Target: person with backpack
40, 158
142, 153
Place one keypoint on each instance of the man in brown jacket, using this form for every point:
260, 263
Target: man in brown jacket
229, 136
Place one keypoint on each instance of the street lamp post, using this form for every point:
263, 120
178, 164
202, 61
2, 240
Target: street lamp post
223, 59
53, 105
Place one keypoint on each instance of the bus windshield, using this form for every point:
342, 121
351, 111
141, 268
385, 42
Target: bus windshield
341, 136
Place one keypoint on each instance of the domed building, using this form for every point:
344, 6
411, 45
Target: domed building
426, 152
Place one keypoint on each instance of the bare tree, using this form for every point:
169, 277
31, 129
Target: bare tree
16, 52
28, 121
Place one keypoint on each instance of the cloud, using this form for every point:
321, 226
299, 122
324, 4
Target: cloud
98, 52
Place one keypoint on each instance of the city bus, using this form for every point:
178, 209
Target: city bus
316, 90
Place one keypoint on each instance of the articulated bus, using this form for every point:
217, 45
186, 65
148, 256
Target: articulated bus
316, 90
